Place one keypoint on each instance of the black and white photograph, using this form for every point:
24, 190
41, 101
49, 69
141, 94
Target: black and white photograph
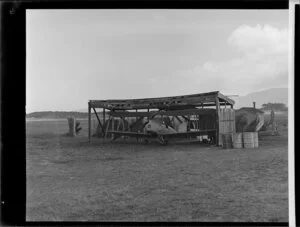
157, 115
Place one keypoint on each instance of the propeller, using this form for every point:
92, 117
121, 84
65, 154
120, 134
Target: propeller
143, 125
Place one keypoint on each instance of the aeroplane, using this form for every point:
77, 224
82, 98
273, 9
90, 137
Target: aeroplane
158, 128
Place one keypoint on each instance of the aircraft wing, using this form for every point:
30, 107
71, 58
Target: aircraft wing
169, 135
132, 134
194, 133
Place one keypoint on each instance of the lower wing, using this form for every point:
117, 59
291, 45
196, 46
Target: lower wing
132, 134
194, 133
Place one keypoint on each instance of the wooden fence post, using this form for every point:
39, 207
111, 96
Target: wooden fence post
89, 110
72, 126
217, 120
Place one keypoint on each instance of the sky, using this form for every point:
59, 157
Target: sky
73, 56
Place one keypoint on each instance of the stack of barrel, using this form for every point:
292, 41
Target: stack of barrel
240, 140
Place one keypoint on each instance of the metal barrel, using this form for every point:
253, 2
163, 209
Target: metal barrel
227, 140
250, 139
237, 140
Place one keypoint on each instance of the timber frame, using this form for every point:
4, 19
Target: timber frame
194, 104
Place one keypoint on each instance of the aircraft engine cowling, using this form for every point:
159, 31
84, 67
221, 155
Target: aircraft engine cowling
158, 127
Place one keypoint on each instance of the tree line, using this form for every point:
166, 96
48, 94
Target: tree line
57, 114
274, 106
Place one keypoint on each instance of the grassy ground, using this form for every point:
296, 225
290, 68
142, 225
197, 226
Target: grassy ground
69, 179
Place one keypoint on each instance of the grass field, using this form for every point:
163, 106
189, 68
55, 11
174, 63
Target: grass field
69, 179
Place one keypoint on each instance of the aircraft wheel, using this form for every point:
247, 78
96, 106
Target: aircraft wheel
163, 140
145, 141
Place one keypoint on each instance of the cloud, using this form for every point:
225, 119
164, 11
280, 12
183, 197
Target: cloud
263, 56
259, 40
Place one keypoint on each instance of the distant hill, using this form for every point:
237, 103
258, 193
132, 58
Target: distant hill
278, 95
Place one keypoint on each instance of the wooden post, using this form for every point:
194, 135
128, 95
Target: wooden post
107, 127
72, 126
217, 120
136, 118
89, 110
118, 124
123, 125
99, 122
137, 139
113, 128
198, 126
198, 123
189, 118
103, 113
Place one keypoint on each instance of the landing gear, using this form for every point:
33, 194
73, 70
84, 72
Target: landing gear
163, 140
145, 141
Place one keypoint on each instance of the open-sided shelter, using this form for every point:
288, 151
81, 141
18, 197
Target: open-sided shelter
210, 112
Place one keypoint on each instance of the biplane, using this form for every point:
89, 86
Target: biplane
159, 125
